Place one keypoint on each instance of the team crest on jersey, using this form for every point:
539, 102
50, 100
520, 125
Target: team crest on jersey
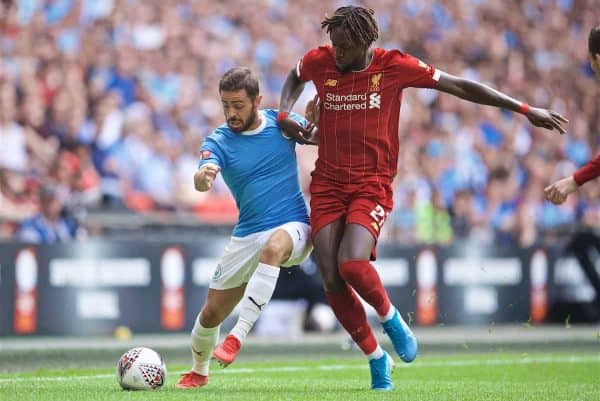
331, 82
218, 272
205, 154
375, 82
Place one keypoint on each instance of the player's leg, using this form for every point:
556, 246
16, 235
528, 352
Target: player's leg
342, 299
276, 251
352, 269
355, 268
205, 334
365, 219
329, 206
347, 306
226, 288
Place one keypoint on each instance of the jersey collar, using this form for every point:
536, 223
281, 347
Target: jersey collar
261, 126
369, 64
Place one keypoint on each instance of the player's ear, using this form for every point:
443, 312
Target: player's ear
595, 63
257, 101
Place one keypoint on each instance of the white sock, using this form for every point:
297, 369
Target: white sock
258, 293
378, 353
204, 341
388, 315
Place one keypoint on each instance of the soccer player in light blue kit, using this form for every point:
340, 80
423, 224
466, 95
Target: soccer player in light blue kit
258, 164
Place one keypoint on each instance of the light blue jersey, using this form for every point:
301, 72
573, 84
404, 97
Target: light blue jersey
260, 169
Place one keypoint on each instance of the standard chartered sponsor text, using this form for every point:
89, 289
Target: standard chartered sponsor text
345, 102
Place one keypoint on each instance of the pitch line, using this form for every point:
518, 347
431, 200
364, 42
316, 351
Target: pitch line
425, 364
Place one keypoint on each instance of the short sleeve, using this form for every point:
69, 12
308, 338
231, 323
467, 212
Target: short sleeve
416, 73
308, 65
211, 153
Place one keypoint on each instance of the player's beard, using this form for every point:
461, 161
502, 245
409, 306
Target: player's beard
244, 126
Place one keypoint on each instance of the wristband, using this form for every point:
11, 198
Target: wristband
524, 108
282, 115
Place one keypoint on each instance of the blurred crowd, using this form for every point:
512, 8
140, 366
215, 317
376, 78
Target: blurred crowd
104, 105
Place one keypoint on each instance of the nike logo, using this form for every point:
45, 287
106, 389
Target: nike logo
259, 306
299, 236
199, 353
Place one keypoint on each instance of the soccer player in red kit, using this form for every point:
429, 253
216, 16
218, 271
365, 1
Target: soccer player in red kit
559, 191
351, 190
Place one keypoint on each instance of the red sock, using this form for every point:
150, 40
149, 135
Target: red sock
363, 277
351, 314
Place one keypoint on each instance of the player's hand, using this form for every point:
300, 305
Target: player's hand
297, 132
558, 192
547, 119
205, 176
313, 110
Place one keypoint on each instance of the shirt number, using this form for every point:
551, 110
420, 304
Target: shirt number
379, 215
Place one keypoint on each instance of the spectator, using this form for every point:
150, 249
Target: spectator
52, 224
13, 151
72, 71
433, 221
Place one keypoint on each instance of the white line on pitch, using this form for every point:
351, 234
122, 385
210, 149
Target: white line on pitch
425, 364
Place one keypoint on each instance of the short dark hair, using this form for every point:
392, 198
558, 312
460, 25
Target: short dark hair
594, 40
239, 78
356, 22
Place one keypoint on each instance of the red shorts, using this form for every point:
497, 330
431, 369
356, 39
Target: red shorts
367, 204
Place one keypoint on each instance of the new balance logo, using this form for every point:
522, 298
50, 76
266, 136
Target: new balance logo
259, 306
374, 101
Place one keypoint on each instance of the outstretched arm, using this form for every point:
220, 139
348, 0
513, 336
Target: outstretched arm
479, 93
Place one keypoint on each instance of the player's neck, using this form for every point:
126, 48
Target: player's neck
366, 62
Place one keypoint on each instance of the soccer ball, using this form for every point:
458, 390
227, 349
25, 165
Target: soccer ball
141, 369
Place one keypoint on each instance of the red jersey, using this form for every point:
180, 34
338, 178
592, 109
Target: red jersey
588, 172
358, 127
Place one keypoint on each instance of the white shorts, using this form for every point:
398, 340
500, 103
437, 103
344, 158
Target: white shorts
242, 255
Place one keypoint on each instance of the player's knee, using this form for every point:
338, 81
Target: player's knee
344, 271
211, 316
333, 284
332, 281
276, 251
347, 254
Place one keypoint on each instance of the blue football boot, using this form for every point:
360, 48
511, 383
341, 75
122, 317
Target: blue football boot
381, 373
403, 339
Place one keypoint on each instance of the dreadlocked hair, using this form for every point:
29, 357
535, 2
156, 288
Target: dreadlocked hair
357, 24
594, 41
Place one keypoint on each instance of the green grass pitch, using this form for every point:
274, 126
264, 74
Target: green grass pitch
535, 376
